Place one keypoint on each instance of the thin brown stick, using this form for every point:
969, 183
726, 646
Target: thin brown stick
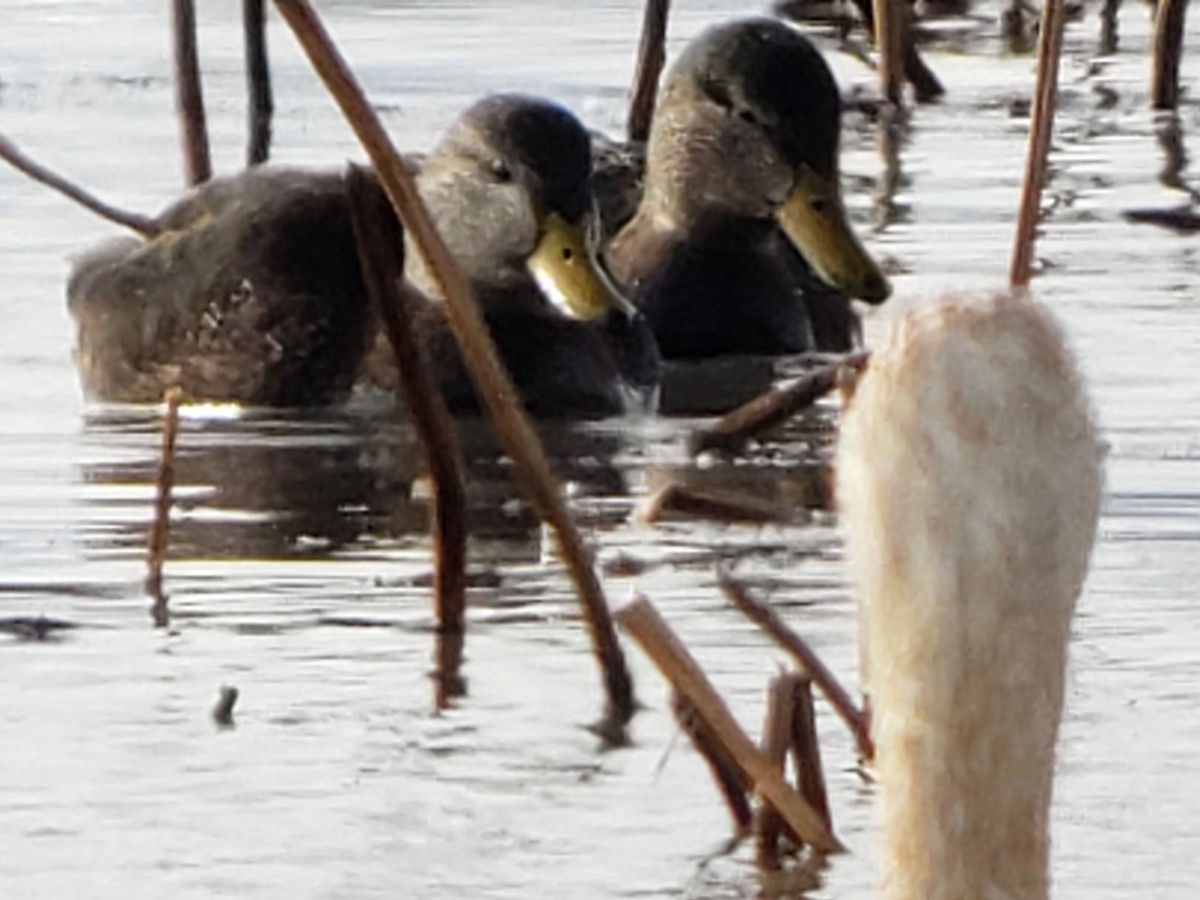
160, 529
513, 428
889, 38
383, 269
189, 96
1168, 45
768, 620
1109, 33
926, 85
643, 622
258, 82
9, 152
1041, 127
776, 737
731, 781
730, 432
680, 498
652, 56
806, 748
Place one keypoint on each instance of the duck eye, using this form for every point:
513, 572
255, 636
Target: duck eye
748, 117
500, 171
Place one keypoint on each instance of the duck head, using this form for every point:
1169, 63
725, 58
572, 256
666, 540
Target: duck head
748, 127
509, 188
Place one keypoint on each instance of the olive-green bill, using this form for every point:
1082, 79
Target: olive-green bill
815, 221
566, 268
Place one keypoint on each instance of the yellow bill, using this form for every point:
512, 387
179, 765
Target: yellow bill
567, 271
814, 219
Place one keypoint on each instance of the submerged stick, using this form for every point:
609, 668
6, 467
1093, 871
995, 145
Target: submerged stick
258, 82
767, 410
143, 225
513, 428
189, 96
643, 622
652, 56
1041, 127
383, 269
160, 528
768, 620
1168, 44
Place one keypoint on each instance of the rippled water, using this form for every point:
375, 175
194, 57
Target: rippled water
299, 567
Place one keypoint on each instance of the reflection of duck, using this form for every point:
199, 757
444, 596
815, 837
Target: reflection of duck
329, 482
969, 485
508, 187
251, 292
743, 159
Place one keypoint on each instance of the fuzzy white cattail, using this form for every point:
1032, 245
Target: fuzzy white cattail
969, 480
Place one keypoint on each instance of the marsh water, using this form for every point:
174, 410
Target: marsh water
299, 564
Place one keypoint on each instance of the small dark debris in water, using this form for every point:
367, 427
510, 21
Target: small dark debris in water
223, 712
623, 565
355, 622
34, 628
484, 578
1180, 219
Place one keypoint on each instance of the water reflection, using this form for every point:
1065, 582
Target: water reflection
267, 486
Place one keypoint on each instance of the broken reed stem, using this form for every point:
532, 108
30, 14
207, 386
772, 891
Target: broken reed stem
160, 529
1041, 128
140, 224
806, 746
889, 39
731, 781
258, 82
513, 428
189, 96
642, 621
768, 620
767, 410
776, 737
1109, 34
652, 56
926, 85
383, 270
1167, 43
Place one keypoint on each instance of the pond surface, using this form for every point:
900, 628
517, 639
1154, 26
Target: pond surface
299, 565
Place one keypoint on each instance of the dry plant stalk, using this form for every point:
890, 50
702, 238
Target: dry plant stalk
652, 56
731, 431
768, 620
1041, 127
160, 529
383, 270
10, 153
776, 737
258, 82
731, 781
726, 508
189, 96
889, 38
513, 428
1168, 47
643, 622
806, 747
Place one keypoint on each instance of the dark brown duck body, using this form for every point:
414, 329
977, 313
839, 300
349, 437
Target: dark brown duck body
741, 174
251, 293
